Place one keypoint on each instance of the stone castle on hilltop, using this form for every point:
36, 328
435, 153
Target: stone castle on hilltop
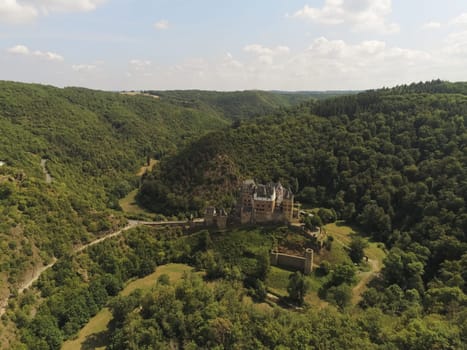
256, 203
260, 203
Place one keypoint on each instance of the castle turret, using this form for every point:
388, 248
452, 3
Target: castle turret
308, 261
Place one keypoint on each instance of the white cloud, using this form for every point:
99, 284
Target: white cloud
19, 50
162, 24
362, 15
17, 11
266, 55
67, 5
12, 11
25, 51
460, 20
263, 50
138, 65
50, 56
83, 67
325, 64
431, 25
456, 45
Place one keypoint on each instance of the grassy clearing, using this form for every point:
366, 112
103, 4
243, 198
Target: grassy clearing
341, 232
174, 271
278, 280
128, 203
93, 334
343, 235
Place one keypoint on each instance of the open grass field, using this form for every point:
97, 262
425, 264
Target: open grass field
93, 334
128, 203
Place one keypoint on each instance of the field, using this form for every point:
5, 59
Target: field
93, 335
128, 203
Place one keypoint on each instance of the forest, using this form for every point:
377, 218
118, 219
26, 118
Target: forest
93, 143
391, 162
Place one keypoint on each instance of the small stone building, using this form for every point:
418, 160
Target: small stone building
214, 217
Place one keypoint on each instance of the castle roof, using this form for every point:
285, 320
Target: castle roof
265, 192
288, 194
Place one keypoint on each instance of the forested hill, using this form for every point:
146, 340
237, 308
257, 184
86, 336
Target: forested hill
93, 143
238, 104
396, 164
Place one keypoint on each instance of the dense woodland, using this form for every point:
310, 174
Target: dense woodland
94, 143
392, 162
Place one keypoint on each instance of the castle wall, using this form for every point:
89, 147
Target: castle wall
287, 208
221, 222
292, 261
245, 217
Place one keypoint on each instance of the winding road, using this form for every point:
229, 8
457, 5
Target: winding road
37, 273
365, 277
131, 223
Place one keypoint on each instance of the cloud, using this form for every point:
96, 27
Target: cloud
83, 67
67, 5
162, 24
263, 50
25, 51
139, 65
17, 12
431, 25
456, 45
266, 55
324, 64
12, 11
460, 20
19, 50
362, 15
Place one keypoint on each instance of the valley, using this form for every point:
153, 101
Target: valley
93, 244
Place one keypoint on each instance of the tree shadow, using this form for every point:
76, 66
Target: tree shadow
96, 340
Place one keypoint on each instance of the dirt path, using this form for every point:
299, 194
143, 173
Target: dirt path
36, 274
365, 277
48, 177
131, 224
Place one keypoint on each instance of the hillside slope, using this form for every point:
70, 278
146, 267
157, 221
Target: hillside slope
393, 162
91, 143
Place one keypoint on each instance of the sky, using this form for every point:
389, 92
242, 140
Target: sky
232, 45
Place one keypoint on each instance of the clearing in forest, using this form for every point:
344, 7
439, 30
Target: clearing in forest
128, 203
375, 253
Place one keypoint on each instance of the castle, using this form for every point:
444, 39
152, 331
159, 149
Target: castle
257, 203
260, 203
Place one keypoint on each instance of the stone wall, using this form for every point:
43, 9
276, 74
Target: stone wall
304, 264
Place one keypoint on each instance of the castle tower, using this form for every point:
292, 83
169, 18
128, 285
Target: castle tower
308, 261
287, 205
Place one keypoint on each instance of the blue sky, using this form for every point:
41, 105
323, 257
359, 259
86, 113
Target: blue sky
232, 45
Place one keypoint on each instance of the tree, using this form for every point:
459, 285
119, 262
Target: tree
297, 287
357, 246
327, 215
340, 295
344, 273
